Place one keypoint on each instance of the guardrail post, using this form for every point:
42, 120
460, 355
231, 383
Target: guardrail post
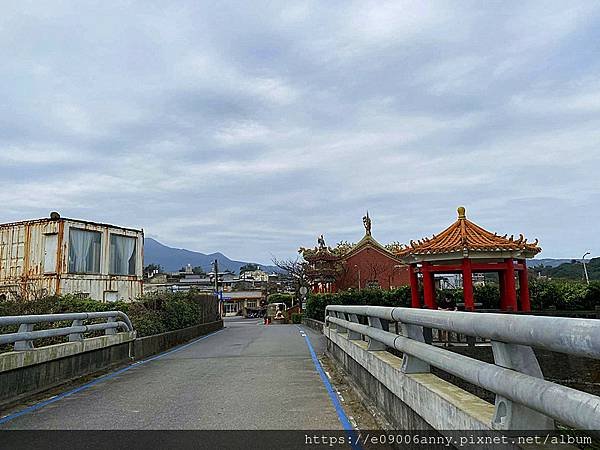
24, 345
374, 345
76, 337
471, 341
412, 364
332, 326
428, 335
340, 328
509, 415
109, 331
353, 335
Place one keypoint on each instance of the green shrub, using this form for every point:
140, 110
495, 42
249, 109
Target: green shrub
567, 295
296, 318
288, 299
150, 314
316, 303
570, 295
488, 295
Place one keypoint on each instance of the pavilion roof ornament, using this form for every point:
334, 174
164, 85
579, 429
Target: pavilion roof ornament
321, 242
367, 224
464, 236
320, 252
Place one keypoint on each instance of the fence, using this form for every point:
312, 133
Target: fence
24, 337
524, 400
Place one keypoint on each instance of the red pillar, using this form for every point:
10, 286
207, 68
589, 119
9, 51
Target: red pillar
428, 287
415, 301
502, 285
524, 288
510, 287
467, 274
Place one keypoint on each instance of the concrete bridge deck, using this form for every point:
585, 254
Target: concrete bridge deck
246, 376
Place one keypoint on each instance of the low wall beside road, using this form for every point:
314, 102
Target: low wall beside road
316, 325
157, 343
29, 372
408, 401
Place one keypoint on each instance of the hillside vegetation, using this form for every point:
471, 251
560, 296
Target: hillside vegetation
572, 270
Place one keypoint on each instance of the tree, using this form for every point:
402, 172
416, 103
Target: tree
288, 299
295, 268
198, 270
150, 269
248, 268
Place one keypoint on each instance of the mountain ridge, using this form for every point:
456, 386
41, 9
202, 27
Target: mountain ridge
172, 259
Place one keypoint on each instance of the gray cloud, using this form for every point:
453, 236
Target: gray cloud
250, 128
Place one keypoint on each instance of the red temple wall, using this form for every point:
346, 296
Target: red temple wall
372, 265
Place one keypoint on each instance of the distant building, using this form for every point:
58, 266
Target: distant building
235, 302
56, 256
367, 264
254, 275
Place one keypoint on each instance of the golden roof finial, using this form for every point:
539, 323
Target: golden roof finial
461, 212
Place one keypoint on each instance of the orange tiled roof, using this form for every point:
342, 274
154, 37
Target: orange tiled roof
465, 236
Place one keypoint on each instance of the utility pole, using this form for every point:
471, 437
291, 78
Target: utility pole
216, 271
587, 278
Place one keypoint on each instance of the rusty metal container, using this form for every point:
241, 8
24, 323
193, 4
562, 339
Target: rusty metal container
35, 260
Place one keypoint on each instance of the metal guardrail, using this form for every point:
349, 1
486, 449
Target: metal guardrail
24, 337
524, 400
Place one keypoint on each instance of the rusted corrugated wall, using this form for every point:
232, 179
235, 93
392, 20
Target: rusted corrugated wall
34, 261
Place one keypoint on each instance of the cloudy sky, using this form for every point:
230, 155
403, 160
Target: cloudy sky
252, 127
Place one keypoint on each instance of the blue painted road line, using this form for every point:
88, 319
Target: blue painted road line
98, 380
351, 432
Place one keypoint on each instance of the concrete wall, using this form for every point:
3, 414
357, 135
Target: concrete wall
316, 325
409, 402
26, 373
150, 345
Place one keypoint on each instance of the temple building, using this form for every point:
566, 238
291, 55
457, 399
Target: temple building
366, 264
466, 248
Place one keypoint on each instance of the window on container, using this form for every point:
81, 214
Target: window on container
84, 251
122, 255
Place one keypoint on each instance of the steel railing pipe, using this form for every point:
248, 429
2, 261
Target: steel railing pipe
580, 337
571, 407
24, 337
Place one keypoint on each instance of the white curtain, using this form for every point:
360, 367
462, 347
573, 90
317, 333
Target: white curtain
82, 255
122, 250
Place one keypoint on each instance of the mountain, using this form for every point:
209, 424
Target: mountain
173, 259
574, 270
547, 262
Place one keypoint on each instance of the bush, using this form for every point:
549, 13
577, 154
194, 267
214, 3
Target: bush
288, 299
316, 303
296, 318
488, 295
567, 295
151, 314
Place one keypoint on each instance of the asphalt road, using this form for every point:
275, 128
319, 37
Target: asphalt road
248, 376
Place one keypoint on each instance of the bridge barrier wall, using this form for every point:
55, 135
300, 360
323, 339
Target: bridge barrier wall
150, 345
408, 401
523, 399
27, 373
316, 325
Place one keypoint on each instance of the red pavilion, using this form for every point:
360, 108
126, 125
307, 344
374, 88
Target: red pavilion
465, 248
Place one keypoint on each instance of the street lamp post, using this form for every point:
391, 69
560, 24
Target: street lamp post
587, 278
358, 268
